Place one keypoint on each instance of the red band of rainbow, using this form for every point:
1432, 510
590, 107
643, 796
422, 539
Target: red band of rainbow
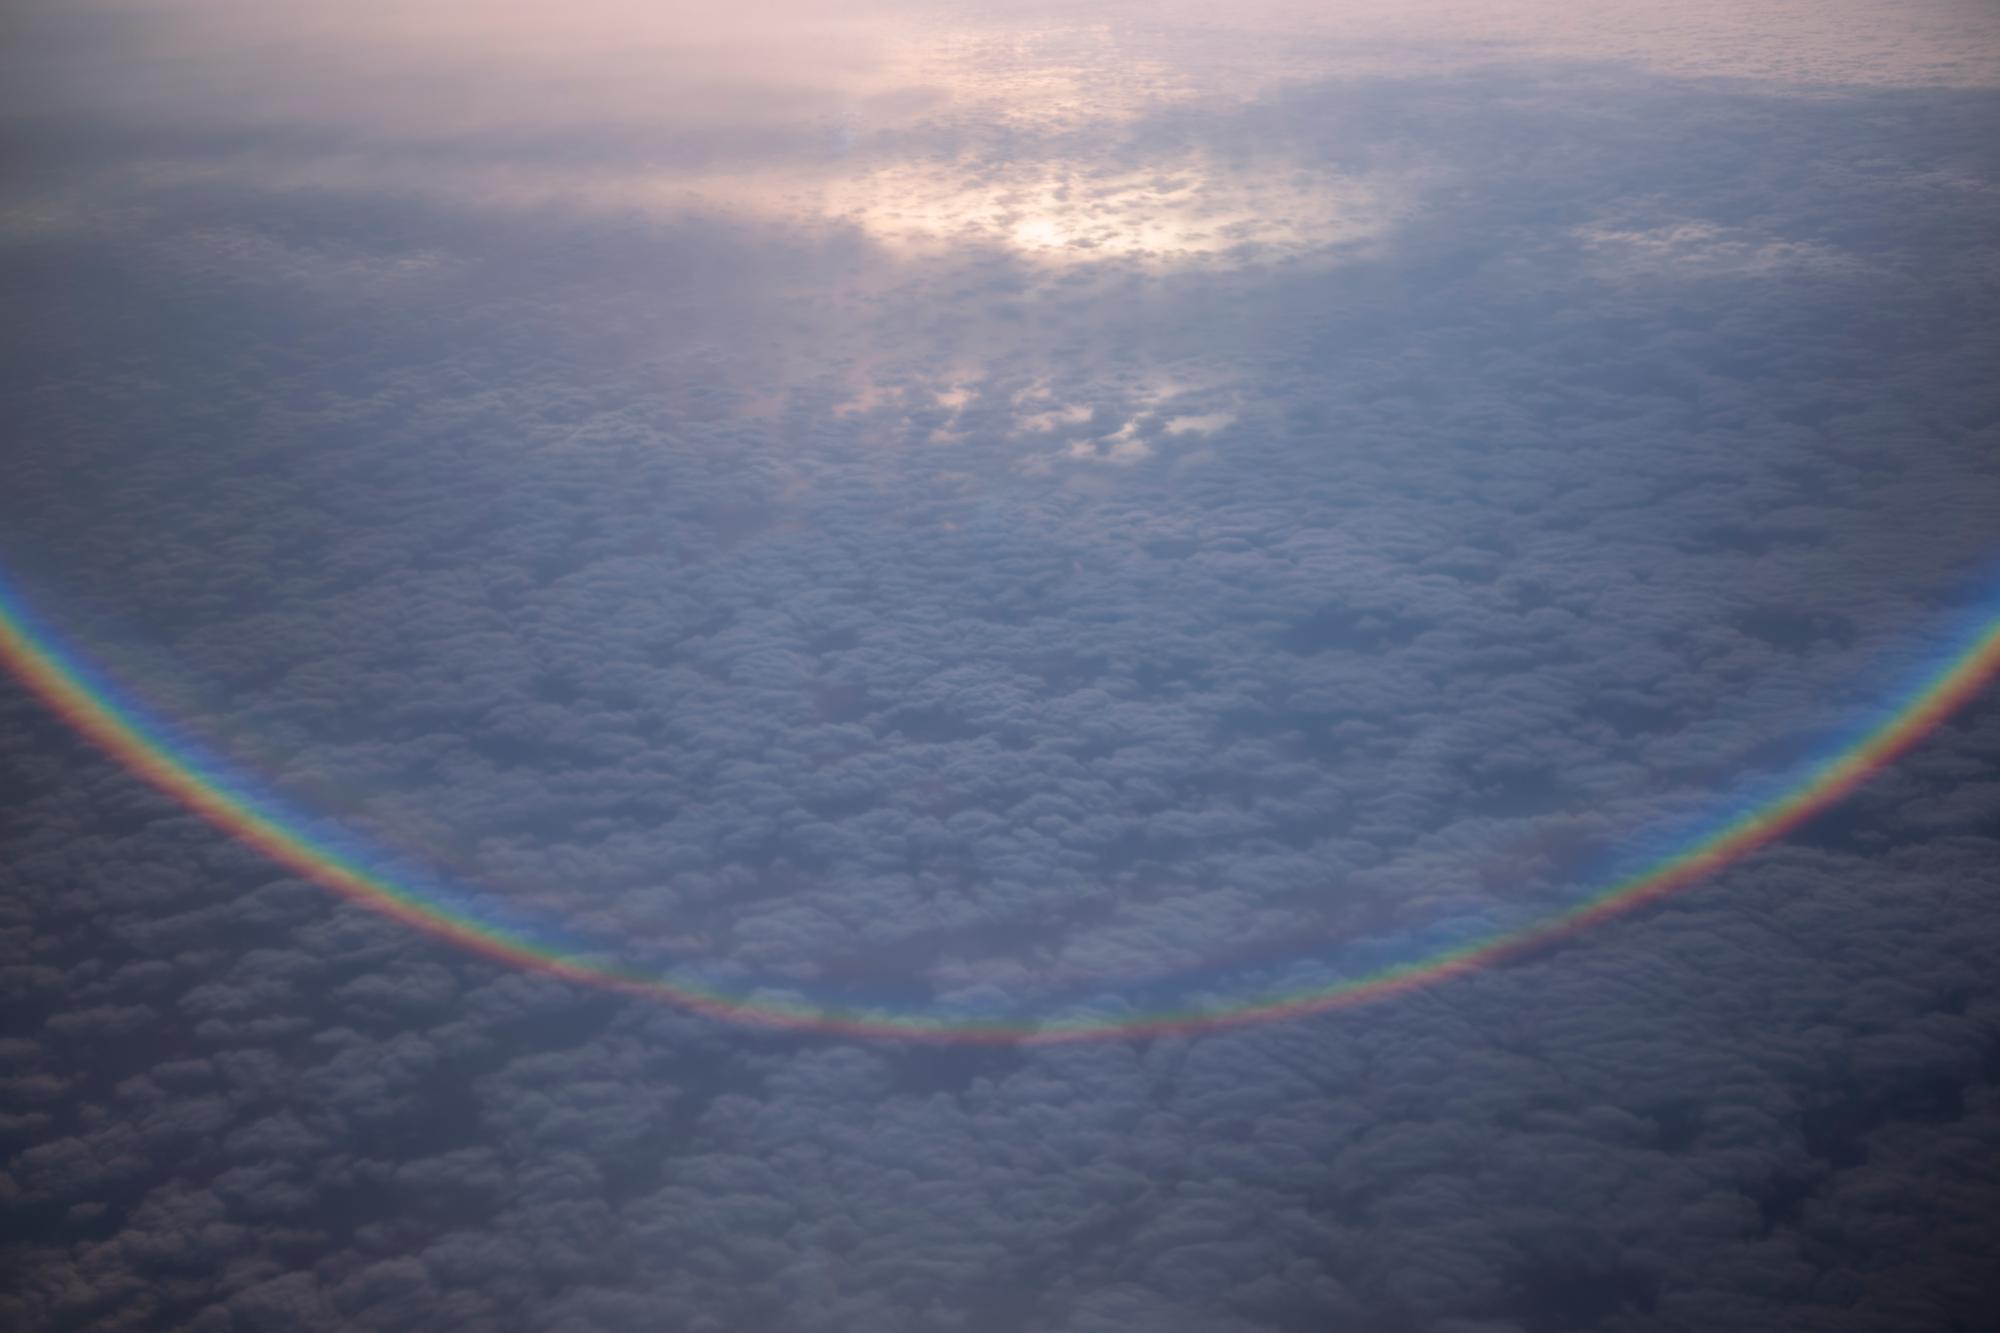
97, 708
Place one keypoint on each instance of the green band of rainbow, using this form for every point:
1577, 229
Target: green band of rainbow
97, 708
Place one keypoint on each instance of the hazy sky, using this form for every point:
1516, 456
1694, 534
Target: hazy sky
1003, 514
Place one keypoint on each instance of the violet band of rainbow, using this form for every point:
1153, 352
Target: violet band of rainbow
97, 708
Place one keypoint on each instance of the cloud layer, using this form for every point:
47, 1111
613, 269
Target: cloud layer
996, 540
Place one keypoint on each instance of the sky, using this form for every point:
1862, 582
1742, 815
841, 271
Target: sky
999, 667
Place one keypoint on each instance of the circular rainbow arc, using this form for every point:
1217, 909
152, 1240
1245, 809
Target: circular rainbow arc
97, 708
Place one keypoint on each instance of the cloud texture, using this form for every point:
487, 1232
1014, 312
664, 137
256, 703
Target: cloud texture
960, 533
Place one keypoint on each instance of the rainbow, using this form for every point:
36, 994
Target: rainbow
177, 766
